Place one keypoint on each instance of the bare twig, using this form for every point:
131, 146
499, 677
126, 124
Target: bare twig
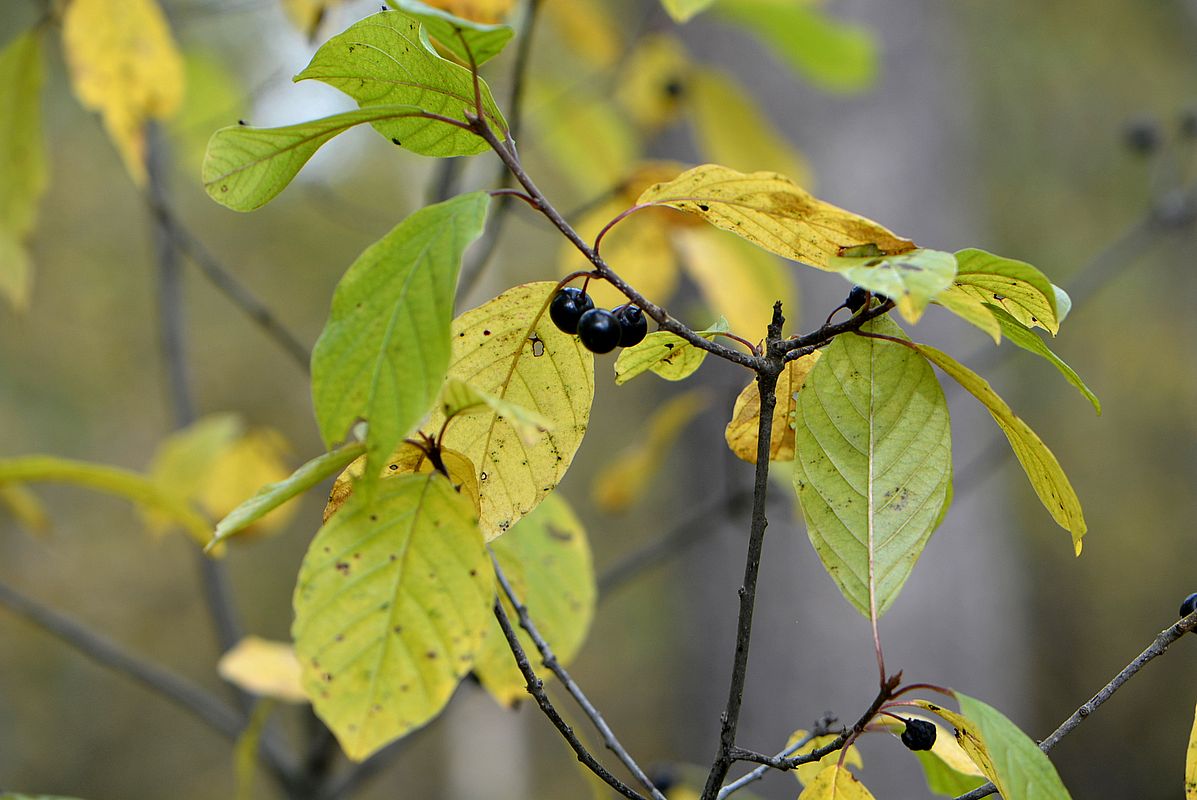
554, 666
821, 728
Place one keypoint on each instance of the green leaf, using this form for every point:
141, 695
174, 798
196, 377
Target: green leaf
665, 354
509, 348
1040, 465
911, 280
546, 557
971, 310
873, 462
1029, 341
833, 55
947, 767
942, 779
393, 599
1016, 286
383, 60
465, 38
1021, 770
245, 751
245, 168
384, 351
22, 160
459, 397
139, 489
683, 10
273, 495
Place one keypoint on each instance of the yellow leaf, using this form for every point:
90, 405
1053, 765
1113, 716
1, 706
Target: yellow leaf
408, 459
185, 460
655, 78
741, 432
487, 12
125, 65
638, 249
263, 668
807, 773
458, 398
773, 212
628, 475
22, 161
252, 461
738, 280
306, 15
665, 354
509, 348
835, 783
732, 130
25, 507
1191, 765
587, 30
582, 133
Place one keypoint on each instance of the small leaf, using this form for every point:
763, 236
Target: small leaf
873, 462
245, 168
408, 459
1040, 465
683, 10
124, 64
1029, 341
742, 432
393, 599
263, 668
1191, 764
1016, 286
546, 557
665, 354
833, 55
186, 459
464, 38
911, 280
22, 161
510, 349
806, 773
736, 279
835, 783
459, 397
971, 310
386, 346
382, 60
273, 495
245, 751
773, 212
627, 476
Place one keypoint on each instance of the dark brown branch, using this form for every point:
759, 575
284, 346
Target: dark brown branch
820, 728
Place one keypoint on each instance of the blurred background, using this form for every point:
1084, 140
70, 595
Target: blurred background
1063, 134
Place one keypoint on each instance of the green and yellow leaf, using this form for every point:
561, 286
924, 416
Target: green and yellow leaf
743, 431
683, 10
465, 38
835, 783
873, 462
392, 603
1039, 463
948, 769
459, 397
263, 668
773, 212
911, 280
22, 161
546, 557
386, 347
511, 350
806, 773
1023, 291
408, 459
971, 310
1029, 341
665, 354
123, 63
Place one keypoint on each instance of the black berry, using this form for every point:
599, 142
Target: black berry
633, 327
1189, 605
1142, 135
599, 330
568, 307
857, 298
919, 734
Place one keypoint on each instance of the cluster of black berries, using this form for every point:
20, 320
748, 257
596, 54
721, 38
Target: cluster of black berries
599, 330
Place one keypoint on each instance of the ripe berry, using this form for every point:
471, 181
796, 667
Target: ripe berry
633, 326
919, 734
1189, 605
568, 307
857, 298
599, 330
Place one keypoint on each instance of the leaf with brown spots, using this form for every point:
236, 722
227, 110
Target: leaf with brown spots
392, 602
742, 432
408, 459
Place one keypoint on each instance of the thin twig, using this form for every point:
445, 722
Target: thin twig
821, 728
554, 666
535, 688
1157, 648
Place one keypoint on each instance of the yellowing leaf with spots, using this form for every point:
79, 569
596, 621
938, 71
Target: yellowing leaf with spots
546, 557
628, 475
911, 280
639, 249
392, 602
1039, 463
1019, 288
511, 350
409, 458
124, 64
773, 212
459, 397
806, 773
264, 668
835, 783
665, 354
742, 432
737, 280
1191, 764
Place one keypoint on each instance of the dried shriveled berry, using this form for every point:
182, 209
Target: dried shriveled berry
568, 307
919, 734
